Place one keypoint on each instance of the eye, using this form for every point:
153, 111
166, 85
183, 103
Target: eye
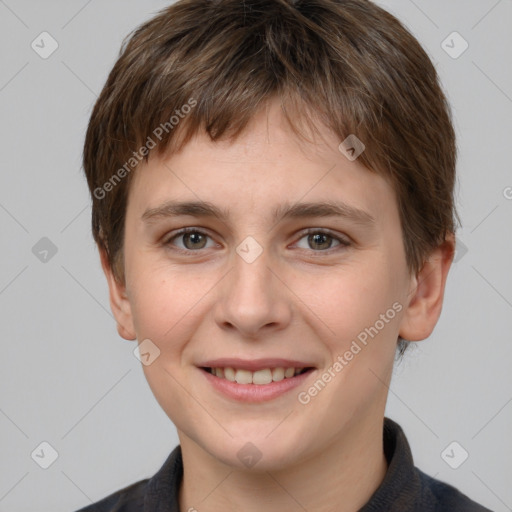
191, 238
319, 240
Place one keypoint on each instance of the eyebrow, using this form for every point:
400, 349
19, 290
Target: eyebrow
286, 211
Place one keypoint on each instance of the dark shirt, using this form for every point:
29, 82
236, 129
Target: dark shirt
404, 488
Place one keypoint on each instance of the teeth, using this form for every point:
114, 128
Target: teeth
289, 372
260, 377
277, 374
229, 374
243, 377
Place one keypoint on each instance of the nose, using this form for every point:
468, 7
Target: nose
252, 299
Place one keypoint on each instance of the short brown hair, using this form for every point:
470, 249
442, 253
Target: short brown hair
348, 63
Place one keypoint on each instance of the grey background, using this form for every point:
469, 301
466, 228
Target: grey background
67, 378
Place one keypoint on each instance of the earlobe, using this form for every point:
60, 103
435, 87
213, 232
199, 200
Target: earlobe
425, 300
119, 302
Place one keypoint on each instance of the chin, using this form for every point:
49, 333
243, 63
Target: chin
258, 452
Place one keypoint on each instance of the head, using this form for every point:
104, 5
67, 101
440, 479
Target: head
247, 109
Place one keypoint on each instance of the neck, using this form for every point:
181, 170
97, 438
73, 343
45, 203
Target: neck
341, 477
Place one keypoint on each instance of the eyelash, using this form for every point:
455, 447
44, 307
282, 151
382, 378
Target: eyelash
343, 242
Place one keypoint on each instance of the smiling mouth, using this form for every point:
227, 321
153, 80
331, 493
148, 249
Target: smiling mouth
259, 377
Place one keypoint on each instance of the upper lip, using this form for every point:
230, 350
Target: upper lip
254, 364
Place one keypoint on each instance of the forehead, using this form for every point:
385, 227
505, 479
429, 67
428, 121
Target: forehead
266, 166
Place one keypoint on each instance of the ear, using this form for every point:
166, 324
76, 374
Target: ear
427, 292
119, 303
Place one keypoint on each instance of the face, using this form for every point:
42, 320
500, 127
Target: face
269, 282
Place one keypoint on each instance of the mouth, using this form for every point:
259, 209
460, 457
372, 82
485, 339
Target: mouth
261, 377
257, 380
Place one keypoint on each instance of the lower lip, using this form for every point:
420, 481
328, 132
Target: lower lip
255, 392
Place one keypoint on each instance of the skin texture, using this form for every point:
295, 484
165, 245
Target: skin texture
294, 301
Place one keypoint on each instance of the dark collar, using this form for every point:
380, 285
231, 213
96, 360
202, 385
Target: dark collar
401, 486
163, 488
404, 487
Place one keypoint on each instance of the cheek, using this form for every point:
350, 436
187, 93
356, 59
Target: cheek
167, 306
349, 299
